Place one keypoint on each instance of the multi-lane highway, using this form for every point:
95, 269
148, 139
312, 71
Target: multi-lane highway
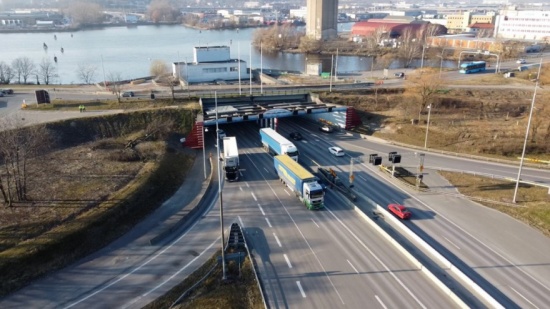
323, 259
507, 258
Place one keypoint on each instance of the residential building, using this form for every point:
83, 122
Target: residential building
459, 23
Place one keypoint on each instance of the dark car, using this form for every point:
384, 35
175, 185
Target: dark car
127, 94
296, 136
399, 74
6, 91
399, 210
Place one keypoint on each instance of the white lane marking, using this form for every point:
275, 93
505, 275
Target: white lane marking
378, 259
301, 290
458, 227
353, 267
261, 209
304, 238
286, 192
452, 243
247, 184
380, 301
365, 179
278, 242
241, 188
315, 222
266, 170
268, 223
254, 196
523, 297
144, 264
287, 261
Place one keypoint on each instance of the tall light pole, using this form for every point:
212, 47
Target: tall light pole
261, 68
331, 67
203, 150
220, 185
527, 133
250, 70
239, 59
427, 126
422, 60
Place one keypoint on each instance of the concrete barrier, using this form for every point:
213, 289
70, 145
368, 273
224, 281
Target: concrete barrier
481, 293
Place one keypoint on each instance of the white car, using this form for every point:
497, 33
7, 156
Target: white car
337, 151
521, 61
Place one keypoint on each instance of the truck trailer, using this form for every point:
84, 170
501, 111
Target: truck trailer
276, 144
231, 158
300, 181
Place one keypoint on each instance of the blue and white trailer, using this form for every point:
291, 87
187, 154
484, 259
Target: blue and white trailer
300, 181
276, 144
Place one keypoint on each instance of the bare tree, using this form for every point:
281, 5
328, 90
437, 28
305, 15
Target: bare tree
163, 75
409, 48
47, 71
86, 72
6, 73
378, 36
484, 33
158, 68
23, 67
18, 144
424, 89
310, 45
163, 11
115, 84
82, 12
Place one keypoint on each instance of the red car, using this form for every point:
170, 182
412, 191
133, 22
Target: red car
400, 211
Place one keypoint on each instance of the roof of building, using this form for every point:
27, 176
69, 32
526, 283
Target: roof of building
482, 26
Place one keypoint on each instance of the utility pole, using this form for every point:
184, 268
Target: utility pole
220, 186
419, 174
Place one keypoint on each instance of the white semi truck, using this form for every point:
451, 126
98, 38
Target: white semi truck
231, 158
276, 144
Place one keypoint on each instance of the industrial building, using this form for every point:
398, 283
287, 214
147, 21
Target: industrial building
210, 64
322, 19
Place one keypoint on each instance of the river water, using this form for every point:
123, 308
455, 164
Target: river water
129, 51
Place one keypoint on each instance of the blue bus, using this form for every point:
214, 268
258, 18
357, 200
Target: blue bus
473, 67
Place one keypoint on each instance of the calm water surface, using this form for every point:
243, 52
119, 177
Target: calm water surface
129, 51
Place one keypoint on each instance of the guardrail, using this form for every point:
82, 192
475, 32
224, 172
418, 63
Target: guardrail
434, 253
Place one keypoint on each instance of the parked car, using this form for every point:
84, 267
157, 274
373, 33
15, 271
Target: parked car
296, 136
1, 94
127, 94
400, 211
337, 151
521, 61
399, 74
6, 91
327, 129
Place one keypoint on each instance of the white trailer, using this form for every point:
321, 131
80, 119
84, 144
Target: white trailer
231, 158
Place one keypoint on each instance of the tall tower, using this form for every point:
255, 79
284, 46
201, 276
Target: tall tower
322, 19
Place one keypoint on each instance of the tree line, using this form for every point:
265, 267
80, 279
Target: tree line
25, 71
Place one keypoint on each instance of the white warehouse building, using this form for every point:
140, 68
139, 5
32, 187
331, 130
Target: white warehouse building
522, 25
210, 63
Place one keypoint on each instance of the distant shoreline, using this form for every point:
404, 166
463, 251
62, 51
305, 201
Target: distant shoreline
84, 27
129, 25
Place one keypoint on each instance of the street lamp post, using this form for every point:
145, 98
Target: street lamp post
427, 126
527, 134
220, 186
422, 60
203, 150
